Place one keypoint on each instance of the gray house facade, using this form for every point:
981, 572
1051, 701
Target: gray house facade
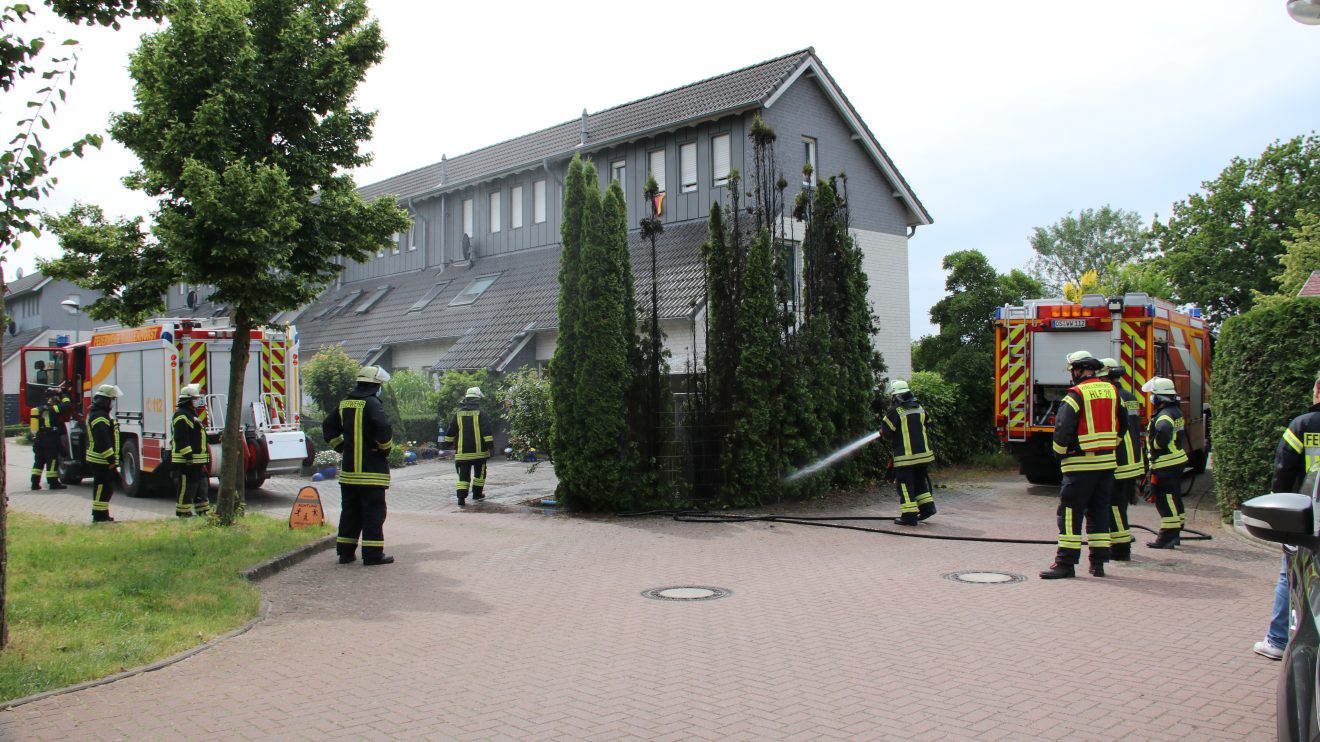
473, 284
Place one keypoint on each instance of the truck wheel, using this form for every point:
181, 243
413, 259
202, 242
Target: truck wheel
1042, 471
71, 472
130, 469
254, 479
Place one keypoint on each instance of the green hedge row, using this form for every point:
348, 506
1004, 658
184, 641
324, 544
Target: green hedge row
1264, 367
946, 426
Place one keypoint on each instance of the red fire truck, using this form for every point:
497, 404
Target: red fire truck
1150, 337
151, 364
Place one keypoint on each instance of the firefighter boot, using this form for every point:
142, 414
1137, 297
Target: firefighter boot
462, 499
376, 561
1166, 540
1058, 571
477, 494
1120, 553
925, 510
56, 484
1097, 569
36, 483
907, 519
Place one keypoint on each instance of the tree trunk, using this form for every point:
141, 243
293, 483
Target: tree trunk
4, 499
231, 443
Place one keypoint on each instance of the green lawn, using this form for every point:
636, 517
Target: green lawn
90, 601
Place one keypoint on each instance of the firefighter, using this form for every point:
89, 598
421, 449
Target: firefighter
46, 441
1131, 466
1166, 444
103, 452
472, 437
360, 431
1086, 432
190, 455
905, 428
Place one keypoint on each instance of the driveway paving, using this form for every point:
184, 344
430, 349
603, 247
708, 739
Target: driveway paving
506, 622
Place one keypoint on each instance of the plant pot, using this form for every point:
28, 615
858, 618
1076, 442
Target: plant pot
329, 472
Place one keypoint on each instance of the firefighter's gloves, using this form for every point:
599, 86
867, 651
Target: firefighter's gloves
1149, 493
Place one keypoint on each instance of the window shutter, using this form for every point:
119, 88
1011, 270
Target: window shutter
687, 156
720, 158
658, 168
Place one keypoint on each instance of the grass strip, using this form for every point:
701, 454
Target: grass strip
90, 601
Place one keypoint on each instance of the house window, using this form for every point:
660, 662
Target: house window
809, 159
474, 290
515, 207
428, 297
619, 172
366, 306
657, 158
467, 217
398, 239
416, 235
495, 212
719, 159
538, 201
687, 166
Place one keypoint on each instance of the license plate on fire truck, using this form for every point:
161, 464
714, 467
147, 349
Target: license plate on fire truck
1068, 324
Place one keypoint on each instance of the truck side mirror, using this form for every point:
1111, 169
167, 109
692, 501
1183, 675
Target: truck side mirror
1283, 517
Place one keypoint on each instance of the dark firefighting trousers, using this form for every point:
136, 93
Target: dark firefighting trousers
471, 478
914, 493
193, 486
361, 517
45, 452
1120, 528
103, 488
1166, 484
1085, 494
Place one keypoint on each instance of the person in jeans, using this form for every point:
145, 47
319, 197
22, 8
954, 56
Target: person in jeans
1296, 463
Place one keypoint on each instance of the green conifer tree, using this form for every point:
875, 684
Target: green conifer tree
563, 366
754, 458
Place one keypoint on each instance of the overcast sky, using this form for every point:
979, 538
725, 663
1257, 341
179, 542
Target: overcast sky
1002, 116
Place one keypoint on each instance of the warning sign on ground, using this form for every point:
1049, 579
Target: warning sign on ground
307, 510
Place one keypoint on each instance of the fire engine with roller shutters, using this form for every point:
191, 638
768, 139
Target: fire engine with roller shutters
151, 364
1150, 337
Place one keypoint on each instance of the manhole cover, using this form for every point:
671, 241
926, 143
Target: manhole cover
686, 592
984, 578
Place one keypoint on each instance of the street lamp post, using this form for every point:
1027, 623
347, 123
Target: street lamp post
1305, 11
73, 305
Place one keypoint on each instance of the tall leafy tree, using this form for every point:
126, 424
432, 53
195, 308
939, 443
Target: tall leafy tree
1225, 242
1301, 259
25, 175
963, 352
244, 127
569, 466
1096, 240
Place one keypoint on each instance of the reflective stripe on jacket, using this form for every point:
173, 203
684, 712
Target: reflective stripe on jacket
905, 424
1087, 427
104, 447
360, 430
189, 444
470, 432
1130, 455
1166, 439
1298, 454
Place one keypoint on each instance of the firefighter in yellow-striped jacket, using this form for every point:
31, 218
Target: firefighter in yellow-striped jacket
473, 438
103, 450
46, 440
1087, 429
1131, 466
190, 455
904, 426
359, 429
1166, 442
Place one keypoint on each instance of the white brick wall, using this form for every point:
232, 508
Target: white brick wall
418, 356
885, 260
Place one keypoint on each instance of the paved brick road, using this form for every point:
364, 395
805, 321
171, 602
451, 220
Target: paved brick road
503, 623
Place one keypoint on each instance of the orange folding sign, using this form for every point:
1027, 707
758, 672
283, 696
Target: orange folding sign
307, 510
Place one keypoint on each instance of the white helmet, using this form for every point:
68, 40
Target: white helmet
192, 391
373, 375
109, 390
1160, 387
475, 391
900, 387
